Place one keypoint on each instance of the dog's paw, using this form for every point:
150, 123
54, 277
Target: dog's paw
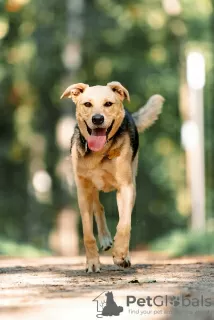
93, 265
122, 261
105, 242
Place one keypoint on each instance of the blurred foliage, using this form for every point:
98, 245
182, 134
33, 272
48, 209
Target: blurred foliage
181, 243
13, 249
46, 45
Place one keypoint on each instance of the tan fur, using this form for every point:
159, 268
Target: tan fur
149, 113
112, 168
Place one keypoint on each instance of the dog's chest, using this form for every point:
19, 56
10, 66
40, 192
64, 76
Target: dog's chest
101, 176
97, 178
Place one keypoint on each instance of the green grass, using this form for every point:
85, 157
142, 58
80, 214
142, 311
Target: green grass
11, 248
183, 243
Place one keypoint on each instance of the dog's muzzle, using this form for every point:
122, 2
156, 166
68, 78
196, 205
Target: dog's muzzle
98, 137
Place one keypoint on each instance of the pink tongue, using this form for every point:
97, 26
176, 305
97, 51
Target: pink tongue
97, 139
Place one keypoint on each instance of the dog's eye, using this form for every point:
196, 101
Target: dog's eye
108, 104
88, 104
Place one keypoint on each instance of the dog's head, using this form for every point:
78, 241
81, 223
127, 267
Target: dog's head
109, 294
99, 111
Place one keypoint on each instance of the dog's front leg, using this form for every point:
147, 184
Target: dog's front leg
103, 231
85, 200
125, 200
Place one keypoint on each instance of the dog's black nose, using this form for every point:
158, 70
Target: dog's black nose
98, 119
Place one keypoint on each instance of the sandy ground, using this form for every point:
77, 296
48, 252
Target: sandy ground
57, 288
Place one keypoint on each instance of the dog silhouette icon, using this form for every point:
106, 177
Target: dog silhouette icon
111, 308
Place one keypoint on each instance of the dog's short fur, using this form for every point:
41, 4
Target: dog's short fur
104, 153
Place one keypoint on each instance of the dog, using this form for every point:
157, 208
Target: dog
104, 156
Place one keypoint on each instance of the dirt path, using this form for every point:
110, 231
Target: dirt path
59, 289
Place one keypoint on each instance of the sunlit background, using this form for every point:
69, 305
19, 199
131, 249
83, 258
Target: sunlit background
156, 46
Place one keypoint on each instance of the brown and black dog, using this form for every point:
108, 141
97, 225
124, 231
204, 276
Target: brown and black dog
104, 154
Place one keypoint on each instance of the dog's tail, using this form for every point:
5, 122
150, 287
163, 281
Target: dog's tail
149, 113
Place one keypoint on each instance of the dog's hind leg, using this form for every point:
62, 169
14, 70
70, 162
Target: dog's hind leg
104, 235
85, 200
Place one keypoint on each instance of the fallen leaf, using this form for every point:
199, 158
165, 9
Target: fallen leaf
134, 281
150, 281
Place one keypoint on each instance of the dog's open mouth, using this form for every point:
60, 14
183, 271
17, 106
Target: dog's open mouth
97, 137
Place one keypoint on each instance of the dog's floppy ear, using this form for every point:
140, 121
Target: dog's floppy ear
119, 90
74, 91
